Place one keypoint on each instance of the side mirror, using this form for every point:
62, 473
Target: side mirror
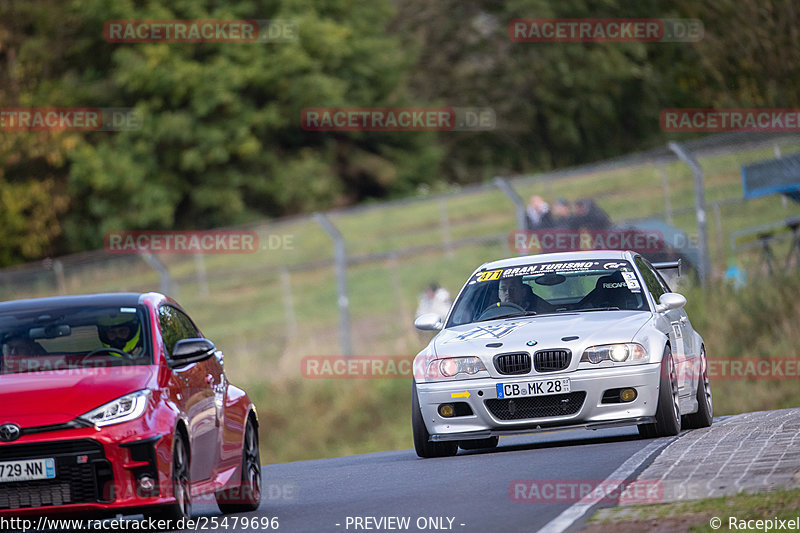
188, 351
669, 301
428, 322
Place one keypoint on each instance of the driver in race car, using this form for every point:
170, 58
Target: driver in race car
122, 332
513, 290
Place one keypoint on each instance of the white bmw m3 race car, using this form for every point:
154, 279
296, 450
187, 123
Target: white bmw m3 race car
570, 340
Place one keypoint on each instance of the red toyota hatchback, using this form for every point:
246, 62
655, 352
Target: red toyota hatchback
116, 403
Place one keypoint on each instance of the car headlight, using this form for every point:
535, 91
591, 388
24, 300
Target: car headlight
618, 353
452, 366
122, 409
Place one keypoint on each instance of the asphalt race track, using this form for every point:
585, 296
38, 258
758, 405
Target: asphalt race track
466, 493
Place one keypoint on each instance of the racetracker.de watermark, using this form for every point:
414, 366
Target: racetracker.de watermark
194, 242
200, 31
70, 119
565, 240
589, 30
201, 523
748, 368
724, 120
356, 367
398, 119
587, 490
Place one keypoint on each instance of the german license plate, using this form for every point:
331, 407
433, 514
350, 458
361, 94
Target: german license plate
533, 388
27, 470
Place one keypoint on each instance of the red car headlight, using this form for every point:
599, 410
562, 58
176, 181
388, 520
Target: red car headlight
123, 409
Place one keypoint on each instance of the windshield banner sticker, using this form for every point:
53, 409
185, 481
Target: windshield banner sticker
541, 268
544, 268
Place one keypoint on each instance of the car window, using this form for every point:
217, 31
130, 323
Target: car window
551, 287
175, 326
650, 278
45, 339
661, 280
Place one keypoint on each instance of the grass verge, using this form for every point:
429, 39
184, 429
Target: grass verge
733, 513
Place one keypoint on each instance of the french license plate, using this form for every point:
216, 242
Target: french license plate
533, 388
27, 470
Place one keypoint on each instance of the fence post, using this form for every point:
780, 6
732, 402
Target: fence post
718, 229
167, 287
58, 270
699, 206
784, 199
519, 205
340, 257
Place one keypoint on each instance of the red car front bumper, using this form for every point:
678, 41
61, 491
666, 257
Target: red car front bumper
98, 471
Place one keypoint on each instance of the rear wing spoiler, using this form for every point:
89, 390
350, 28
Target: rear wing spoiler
669, 265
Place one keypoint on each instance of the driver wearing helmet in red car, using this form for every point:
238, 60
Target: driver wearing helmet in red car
122, 332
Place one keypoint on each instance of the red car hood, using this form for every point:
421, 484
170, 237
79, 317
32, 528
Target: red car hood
32, 399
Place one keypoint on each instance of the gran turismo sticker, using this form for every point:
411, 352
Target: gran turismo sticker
543, 268
497, 331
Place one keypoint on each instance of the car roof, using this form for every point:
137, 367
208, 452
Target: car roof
557, 257
77, 300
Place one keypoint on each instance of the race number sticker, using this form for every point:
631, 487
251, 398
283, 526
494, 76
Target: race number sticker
490, 275
631, 281
678, 333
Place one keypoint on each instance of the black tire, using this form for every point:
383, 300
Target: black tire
247, 496
705, 406
422, 444
479, 444
668, 417
181, 484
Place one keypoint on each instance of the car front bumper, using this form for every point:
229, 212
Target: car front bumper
591, 414
96, 471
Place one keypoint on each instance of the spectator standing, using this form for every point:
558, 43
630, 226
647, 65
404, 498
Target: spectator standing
538, 213
434, 299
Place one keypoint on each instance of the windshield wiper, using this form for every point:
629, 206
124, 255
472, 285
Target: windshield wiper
599, 309
511, 315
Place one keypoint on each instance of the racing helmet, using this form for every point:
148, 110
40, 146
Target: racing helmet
110, 329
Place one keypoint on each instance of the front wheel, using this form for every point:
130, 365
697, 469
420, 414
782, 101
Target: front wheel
422, 444
247, 496
181, 484
668, 414
705, 407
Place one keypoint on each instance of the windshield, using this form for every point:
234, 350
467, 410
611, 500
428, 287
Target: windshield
547, 288
41, 340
